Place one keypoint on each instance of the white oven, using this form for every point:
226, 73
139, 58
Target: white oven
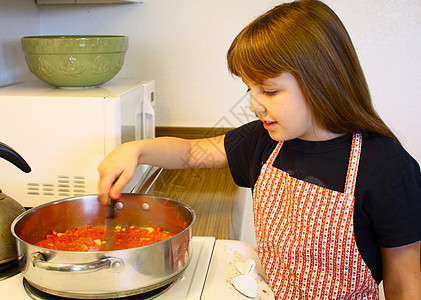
64, 133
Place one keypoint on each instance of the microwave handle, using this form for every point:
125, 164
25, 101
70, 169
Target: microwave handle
145, 121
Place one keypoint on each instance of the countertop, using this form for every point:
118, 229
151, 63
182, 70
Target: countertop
211, 193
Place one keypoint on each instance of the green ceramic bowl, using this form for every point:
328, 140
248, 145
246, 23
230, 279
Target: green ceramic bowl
76, 60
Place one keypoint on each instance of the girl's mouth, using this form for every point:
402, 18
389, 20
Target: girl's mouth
269, 125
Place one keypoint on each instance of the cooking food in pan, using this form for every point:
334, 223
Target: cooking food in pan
104, 274
88, 239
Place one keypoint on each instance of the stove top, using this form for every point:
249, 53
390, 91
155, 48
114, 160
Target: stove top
9, 269
39, 295
214, 264
188, 286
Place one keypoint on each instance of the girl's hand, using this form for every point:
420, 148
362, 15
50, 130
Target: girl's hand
116, 171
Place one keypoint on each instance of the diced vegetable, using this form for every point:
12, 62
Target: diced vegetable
92, 239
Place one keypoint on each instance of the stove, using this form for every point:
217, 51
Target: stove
217, 269
36, 294
9, 269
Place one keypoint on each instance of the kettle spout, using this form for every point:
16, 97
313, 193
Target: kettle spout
12, 156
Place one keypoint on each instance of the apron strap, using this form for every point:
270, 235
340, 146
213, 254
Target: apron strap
354, 161
274, 154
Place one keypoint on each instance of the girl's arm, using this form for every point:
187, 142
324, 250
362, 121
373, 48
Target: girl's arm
118, 168
402, 272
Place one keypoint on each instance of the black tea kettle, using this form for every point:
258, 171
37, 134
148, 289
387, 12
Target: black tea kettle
9, 208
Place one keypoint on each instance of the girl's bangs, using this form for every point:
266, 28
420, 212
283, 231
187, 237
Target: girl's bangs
250, 58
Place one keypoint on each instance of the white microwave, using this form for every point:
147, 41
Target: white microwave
64, 134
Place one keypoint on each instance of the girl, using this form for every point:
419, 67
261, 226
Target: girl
336, 199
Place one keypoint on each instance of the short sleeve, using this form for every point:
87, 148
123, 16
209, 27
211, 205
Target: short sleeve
241, 146
397, 219
237, 148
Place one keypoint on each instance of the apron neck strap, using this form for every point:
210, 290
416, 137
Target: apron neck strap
274, 154
354, 161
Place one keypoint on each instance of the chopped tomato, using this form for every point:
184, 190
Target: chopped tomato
88, 239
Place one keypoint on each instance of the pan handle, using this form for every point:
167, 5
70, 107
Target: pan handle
111, 263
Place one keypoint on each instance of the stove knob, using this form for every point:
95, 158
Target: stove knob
246, 285
247, 268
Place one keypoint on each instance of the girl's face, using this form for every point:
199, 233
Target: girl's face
284, 111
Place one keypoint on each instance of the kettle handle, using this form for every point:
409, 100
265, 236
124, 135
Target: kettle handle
12, 156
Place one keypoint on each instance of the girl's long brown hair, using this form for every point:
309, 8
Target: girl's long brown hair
307, 39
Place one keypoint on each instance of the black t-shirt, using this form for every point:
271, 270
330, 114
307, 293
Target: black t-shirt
387, 210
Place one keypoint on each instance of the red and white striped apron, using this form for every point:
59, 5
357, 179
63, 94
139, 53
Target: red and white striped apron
305, 235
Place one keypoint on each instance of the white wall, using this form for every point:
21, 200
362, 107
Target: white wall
182, 45
17, 19
387, 37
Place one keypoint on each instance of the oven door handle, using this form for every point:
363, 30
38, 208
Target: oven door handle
110, 263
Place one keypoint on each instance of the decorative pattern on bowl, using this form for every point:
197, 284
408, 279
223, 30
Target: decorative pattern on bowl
71, 66
75, 61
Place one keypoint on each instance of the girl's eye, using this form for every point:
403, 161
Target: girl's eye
270, 93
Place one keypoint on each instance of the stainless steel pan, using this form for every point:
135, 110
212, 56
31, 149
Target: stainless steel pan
104, 274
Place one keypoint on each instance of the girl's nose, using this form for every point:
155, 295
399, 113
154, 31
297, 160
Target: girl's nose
255, 106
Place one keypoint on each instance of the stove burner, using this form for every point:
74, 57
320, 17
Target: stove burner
9, 269
36, 294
